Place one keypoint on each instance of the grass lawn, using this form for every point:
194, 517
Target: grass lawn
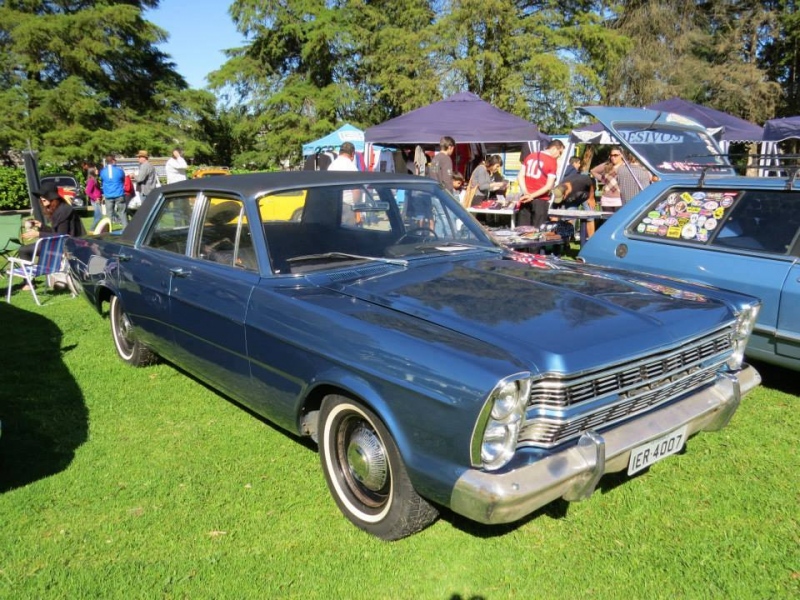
142, 483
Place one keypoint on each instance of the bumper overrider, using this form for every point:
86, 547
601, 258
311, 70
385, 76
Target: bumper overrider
573, 474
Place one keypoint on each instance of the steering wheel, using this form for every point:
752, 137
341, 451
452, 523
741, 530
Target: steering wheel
418, 232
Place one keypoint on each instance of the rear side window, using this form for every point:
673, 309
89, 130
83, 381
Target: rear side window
758, 220
688, 215
224, 236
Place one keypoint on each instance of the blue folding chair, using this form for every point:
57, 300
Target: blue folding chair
48, 259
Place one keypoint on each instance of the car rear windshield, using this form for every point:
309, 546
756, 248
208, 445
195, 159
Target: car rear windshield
671, 150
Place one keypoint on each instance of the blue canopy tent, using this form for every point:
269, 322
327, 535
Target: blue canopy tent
346, 133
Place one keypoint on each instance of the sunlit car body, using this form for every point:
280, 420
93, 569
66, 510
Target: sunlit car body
431, 366
702, 223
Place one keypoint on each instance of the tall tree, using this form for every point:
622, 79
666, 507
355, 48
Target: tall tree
392, 71
287, 75
80, 78
781, 54
702, 51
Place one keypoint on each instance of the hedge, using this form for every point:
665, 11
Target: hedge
14, 187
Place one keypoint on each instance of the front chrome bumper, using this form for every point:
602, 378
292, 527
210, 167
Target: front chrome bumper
573, 474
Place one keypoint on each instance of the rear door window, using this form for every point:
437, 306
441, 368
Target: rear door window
762, 221
224, 236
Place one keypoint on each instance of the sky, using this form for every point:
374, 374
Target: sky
198, 33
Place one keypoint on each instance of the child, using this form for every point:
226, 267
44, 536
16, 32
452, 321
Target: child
459, 189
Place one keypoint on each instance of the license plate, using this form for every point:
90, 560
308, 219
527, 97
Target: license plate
645, 455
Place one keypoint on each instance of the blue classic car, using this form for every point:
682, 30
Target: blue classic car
702, 223
371, 313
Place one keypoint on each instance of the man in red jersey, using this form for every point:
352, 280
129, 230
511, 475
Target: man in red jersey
536, 178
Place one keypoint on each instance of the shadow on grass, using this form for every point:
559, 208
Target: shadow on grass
778, 378
555, 510
42, 411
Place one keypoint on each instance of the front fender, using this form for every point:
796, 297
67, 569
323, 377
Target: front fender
433, 435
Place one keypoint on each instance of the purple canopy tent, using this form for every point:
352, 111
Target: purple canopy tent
777, 130
734, 129
464, 117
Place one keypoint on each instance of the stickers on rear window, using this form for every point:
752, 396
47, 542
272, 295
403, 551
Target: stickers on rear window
690, 216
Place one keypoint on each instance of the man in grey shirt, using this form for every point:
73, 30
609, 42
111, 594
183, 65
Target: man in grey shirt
146, 178
441, 168
631, 177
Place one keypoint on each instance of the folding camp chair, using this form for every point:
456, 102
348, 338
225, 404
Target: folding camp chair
9, 235
48, 259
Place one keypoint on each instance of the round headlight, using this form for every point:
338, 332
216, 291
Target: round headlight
506, 401
495, 450
494, 439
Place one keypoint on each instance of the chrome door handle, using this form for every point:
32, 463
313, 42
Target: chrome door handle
179, 272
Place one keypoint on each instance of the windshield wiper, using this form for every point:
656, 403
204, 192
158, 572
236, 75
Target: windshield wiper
454, 246
336, 256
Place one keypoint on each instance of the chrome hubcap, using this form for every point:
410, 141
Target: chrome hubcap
366, 459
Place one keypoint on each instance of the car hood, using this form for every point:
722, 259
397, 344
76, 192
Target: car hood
560, 317
666, 143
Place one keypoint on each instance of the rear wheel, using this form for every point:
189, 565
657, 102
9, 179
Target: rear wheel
130, 349
365, 472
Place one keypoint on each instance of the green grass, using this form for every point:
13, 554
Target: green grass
142, 483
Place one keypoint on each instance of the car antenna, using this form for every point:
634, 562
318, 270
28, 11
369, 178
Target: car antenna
702, 180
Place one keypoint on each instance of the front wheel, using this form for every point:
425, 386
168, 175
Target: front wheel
366, 474
130, 349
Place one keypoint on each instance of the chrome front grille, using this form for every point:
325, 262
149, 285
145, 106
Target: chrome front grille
619, 392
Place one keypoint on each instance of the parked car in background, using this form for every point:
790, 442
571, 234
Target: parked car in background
69, 188
702, 223
432, 366
210, 172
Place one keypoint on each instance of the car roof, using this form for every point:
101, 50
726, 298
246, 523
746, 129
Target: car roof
256, 184
253, 185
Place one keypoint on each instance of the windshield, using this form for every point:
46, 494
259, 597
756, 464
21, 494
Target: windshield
320, 227
673, 150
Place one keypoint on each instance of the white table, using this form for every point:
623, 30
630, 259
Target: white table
508, 212
582, 216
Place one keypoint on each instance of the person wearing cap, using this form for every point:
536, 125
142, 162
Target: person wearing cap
113, 179
146, 179
63, 220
